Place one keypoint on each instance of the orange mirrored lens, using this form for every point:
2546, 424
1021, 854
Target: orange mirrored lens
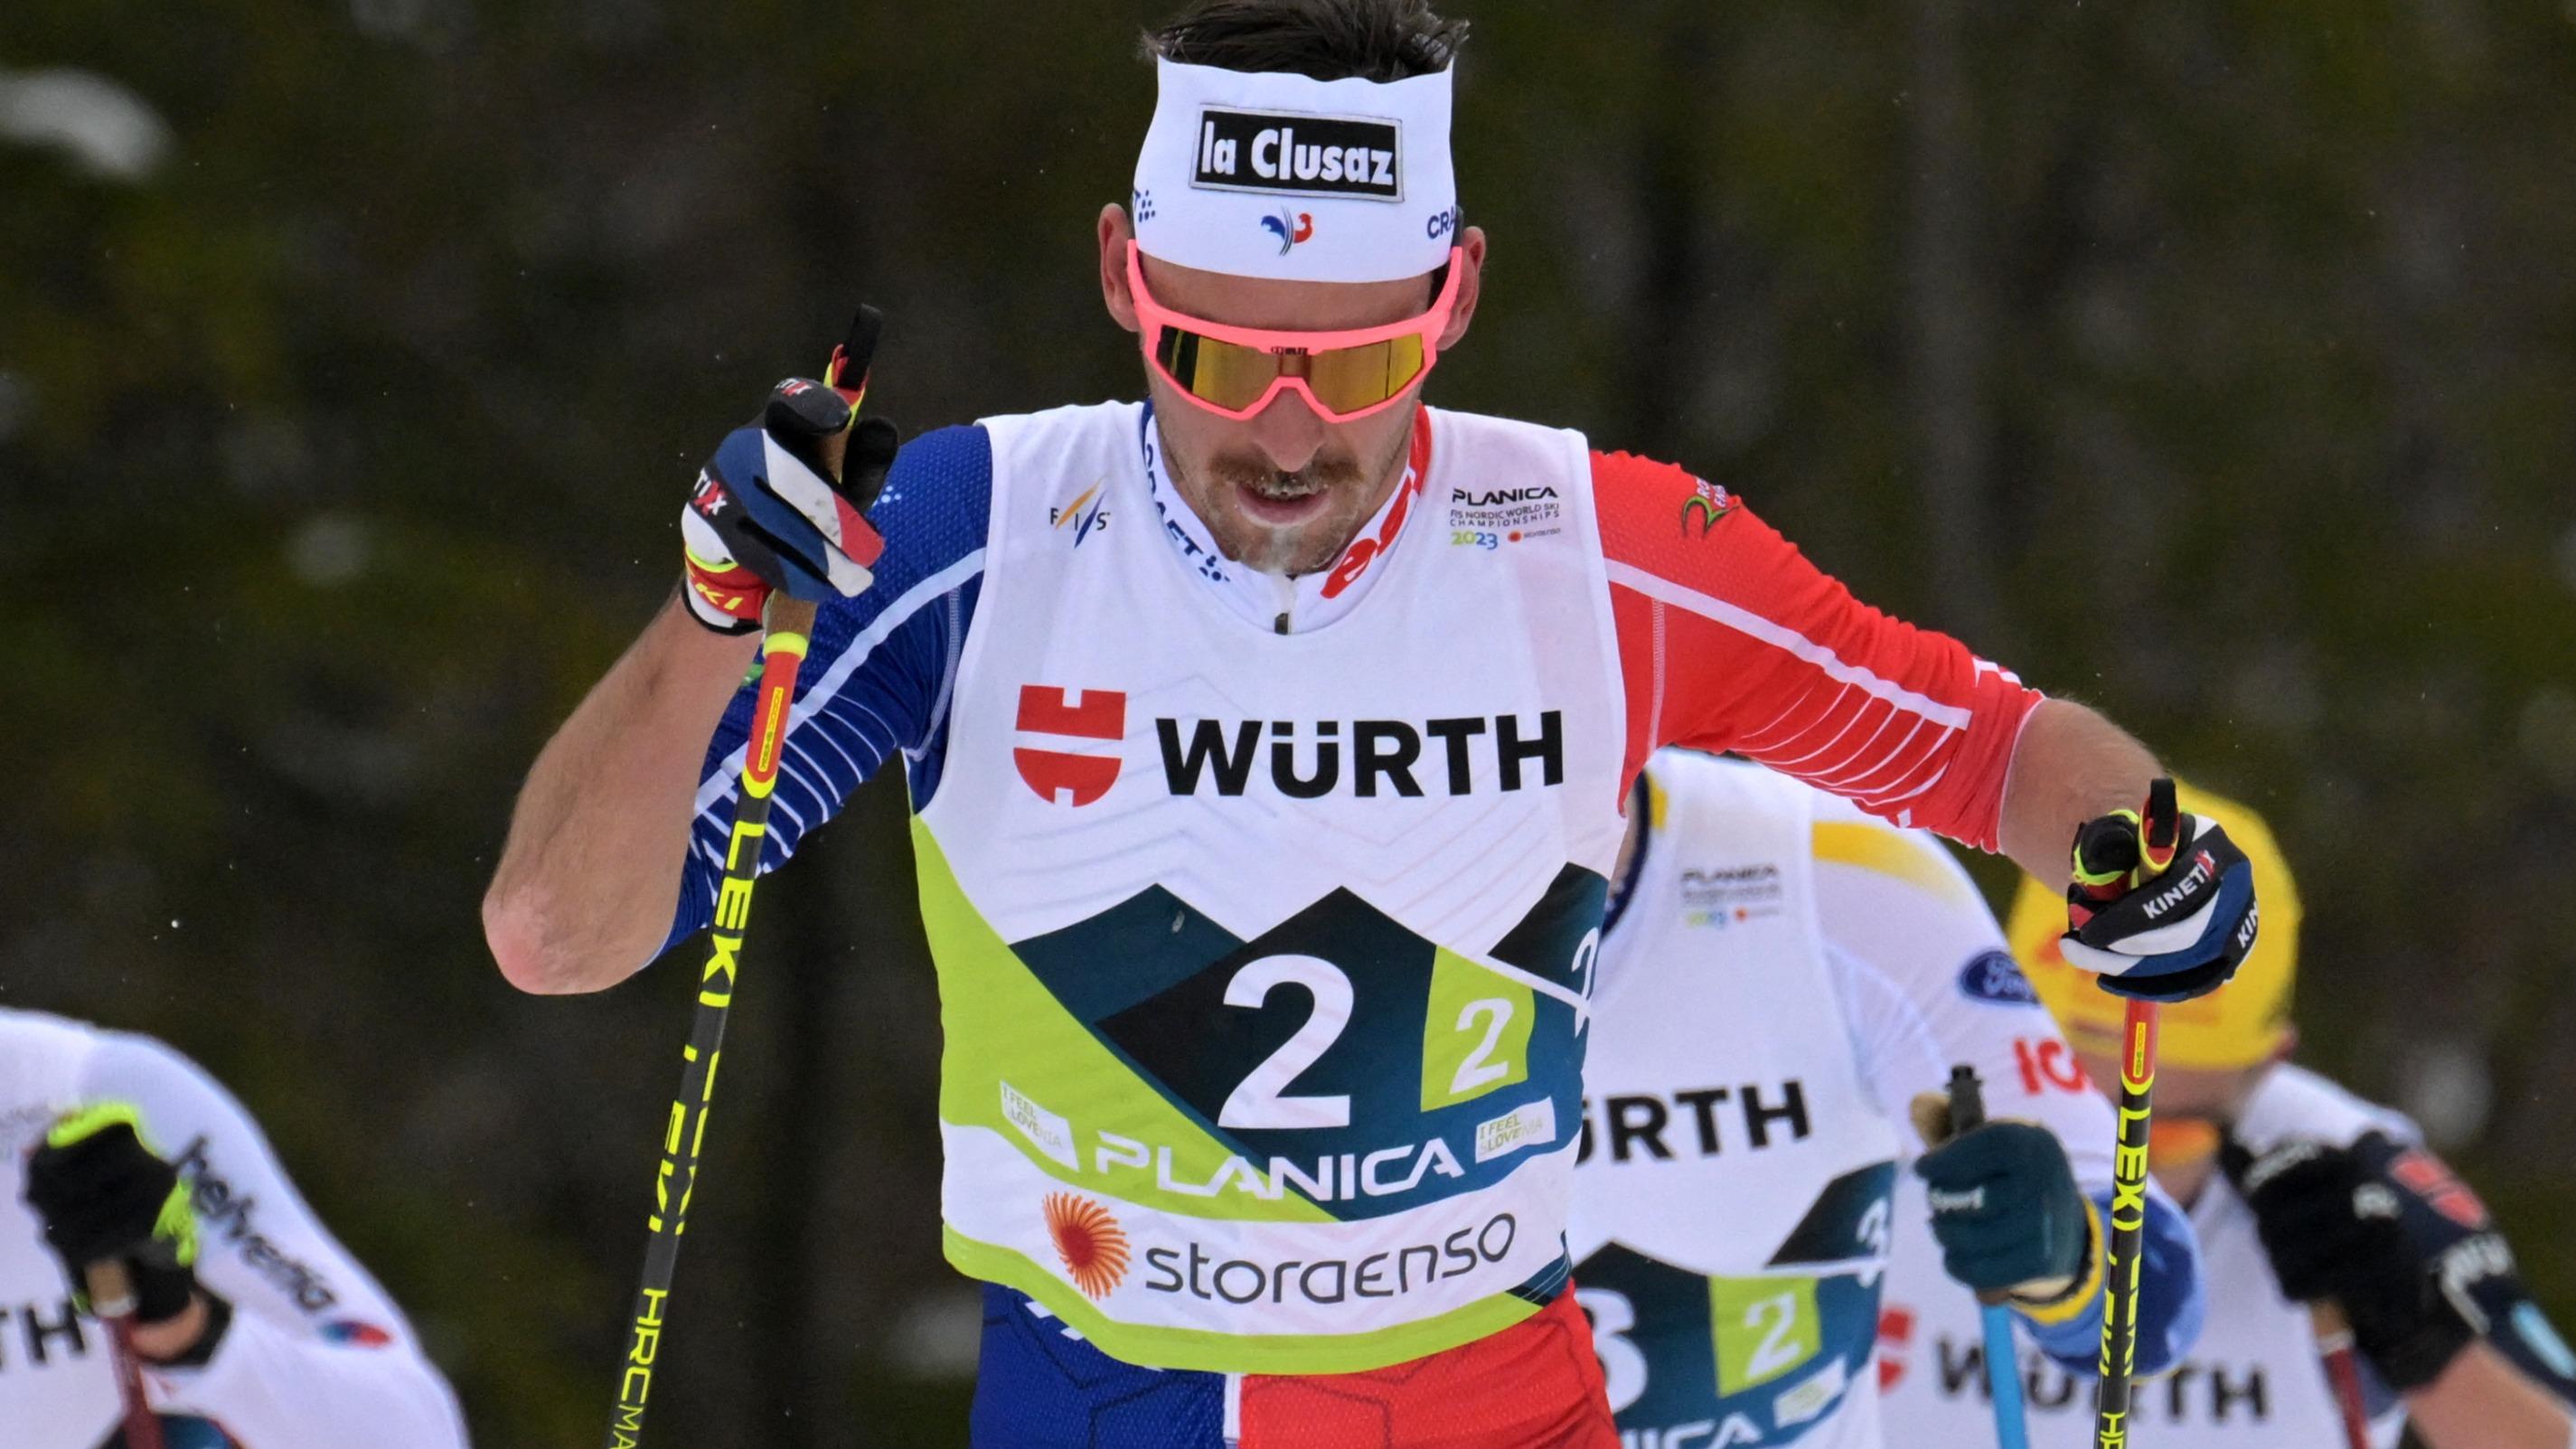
1344, 379
1223, 373
1347, 379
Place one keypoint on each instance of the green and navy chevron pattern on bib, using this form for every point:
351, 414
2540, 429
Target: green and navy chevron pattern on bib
1734, 1361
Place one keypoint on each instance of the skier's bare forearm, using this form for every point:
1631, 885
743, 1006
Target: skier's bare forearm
583, 895
2069, 766
2482, 1401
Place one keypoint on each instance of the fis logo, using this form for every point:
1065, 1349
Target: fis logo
1088, 1241
1291, 227
1085, 515
1065, 776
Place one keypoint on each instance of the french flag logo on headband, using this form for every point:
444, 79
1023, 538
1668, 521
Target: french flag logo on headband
1291, 227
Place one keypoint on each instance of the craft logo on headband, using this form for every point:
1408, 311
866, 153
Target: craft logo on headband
1366, 162
1299, 155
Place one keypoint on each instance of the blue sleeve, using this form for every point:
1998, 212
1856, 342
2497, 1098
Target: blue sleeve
877, 678
2171, 1300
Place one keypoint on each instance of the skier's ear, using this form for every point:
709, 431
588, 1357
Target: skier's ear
1471, 285
1116, 231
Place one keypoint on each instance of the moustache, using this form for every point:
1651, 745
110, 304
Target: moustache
1251, 470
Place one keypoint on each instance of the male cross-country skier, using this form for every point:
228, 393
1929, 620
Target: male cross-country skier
1783, 979
253, 1327
1263, 827
2301, 1193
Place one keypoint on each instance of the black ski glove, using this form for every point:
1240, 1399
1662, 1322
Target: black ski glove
2386, 1232
2164, 934
103, 1195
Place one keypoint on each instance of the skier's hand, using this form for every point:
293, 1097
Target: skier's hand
2164, 934
2006, 1210
103, 1195
771, 511
2386, 1232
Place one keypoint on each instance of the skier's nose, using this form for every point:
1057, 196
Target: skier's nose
1289, 432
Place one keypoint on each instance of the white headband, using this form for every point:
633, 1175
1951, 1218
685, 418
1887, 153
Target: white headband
1267, 174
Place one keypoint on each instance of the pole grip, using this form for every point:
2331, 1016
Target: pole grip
1967, 1100
111, 1289
789, 616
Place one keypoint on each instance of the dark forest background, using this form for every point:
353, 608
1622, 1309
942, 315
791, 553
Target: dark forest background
2215, 364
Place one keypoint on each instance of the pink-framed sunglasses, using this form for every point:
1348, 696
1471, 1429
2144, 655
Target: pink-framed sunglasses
1235, 372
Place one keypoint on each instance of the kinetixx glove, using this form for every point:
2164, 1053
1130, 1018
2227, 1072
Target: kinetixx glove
2163, 903
768, 514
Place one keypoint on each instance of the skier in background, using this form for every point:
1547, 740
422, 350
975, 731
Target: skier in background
2302, 1194
1786, 984
255, 1328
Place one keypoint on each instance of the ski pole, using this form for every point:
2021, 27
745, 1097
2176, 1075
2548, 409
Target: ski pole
789, 623
2148, 843
111, 1301
2343, 1371
2003, 1360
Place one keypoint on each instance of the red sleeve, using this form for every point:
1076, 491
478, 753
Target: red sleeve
1729, 640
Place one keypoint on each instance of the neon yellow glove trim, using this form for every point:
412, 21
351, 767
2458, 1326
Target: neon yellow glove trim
81, 1124
2087, 876
176, 1223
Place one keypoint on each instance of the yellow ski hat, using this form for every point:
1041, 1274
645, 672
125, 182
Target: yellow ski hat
2241, 1024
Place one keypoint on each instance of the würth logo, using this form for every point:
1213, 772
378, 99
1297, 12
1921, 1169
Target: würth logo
1065, 776
1384, 756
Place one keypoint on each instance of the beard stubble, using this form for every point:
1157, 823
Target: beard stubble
1310, 547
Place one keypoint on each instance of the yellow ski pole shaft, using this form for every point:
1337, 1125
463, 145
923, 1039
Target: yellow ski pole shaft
789, 624
2157, 834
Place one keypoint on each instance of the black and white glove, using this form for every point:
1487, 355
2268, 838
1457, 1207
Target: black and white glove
768, 513
2386, 1232
2152, 924
104, 1196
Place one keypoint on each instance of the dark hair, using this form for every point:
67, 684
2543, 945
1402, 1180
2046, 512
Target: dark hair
1378, 40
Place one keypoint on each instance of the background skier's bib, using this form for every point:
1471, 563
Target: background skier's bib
1734, 1215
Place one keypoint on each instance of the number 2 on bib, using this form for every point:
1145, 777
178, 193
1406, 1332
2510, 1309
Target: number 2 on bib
1475, 1038
1261, 1100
